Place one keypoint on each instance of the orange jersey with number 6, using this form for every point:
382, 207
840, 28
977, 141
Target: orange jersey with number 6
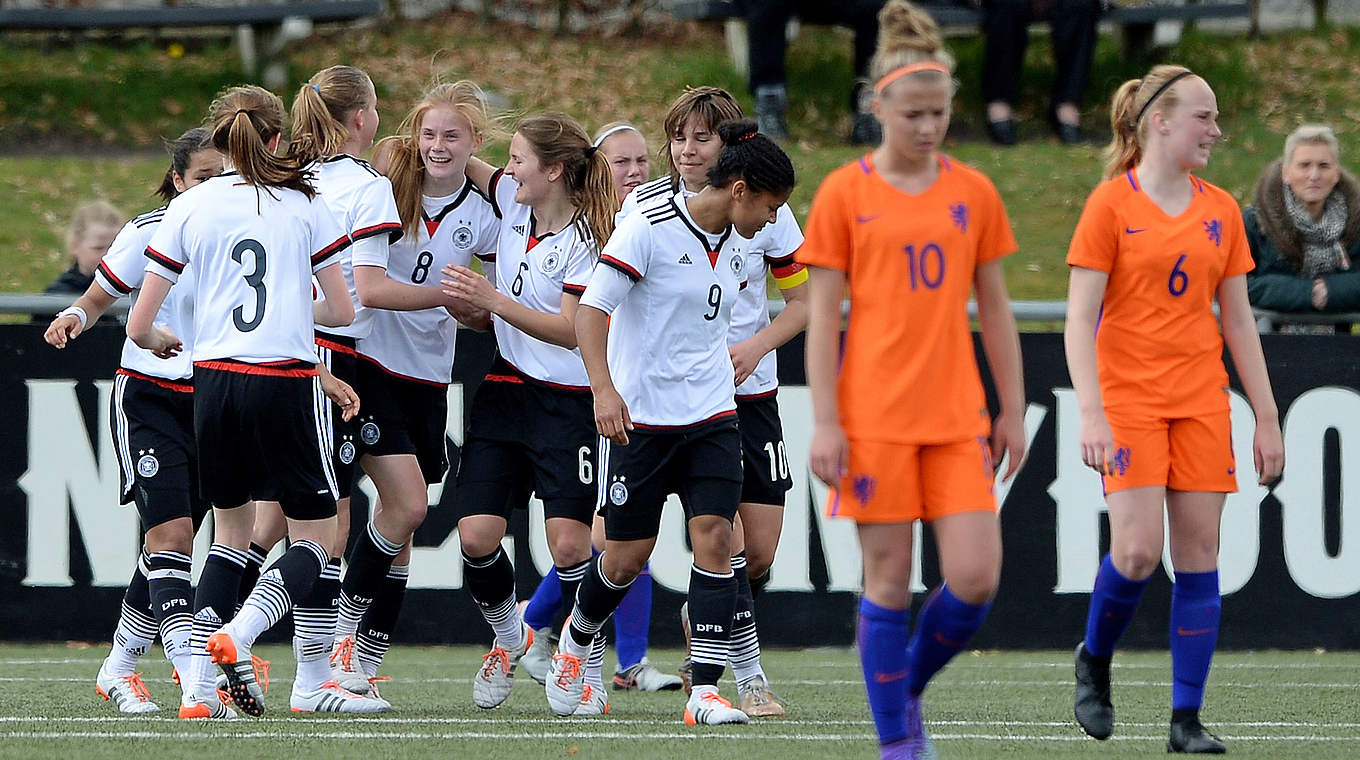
1159, 351
908, 374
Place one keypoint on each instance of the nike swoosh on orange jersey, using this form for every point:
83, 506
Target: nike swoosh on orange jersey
890, 677
1132, 231
1196, 632
866, 219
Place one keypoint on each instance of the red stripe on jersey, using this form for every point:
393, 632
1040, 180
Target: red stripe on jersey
430, 226
330, 250
784, 267
575, 290
757, 396
521, 376
718, 416
178, 386
163, 260
367, 232
117, 284
532, 241
339, 348
504, 379
486, 256
268, 369
713, 259
400, 376
632, 273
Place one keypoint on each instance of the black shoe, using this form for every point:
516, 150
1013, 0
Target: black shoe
1092, 704
772, 101
1189, 735
1068, 134
1002, 132
866, 130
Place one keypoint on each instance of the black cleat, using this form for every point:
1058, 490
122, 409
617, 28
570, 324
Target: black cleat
1189, 735
1092, 704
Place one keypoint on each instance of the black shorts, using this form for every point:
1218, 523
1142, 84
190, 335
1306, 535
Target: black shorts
764, 461
257, 436
152, 421
337, 353
525, 437
702, 465
398, 415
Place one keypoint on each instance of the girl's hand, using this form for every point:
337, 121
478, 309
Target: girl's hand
1097, 443
830, 454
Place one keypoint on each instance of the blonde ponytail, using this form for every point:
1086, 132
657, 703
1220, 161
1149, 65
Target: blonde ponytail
1133, 103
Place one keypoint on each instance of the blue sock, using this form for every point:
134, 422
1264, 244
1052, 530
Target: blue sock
945, 626
1195, 608
542, 606
883, 655
632, 620
1113, 602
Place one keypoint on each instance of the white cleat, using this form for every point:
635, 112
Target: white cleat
645, 677
593, 702
707, 708
538, 658
496, 677
566, 683
127, 693
214, 710
331, 698
345, 668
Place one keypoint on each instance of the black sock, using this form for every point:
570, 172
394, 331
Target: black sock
596, 599
170, 590
712, 602
758, 584
251, 574
380, 622
369, 561
314, 615
569, 578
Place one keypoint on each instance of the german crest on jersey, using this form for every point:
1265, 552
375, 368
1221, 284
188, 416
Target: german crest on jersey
347, 452
148, 466
369, 433
738, 264
462, 237
551, 263
618, 493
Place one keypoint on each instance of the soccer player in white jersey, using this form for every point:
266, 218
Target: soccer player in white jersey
663, 386
254, 237
153, 433
335, 117
531, 427
406, 359
625, 148
691, 151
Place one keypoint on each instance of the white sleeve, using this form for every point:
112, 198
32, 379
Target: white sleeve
328, 237
122, 269
375, 215
623, 262
371, 251
166, 249
502, 188
607, 289
580, 264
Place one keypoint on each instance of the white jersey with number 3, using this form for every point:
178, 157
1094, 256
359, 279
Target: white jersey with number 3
253, 251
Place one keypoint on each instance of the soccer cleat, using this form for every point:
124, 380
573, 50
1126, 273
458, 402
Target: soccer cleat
645, 677
566, 683
373, 686
686, 669
757, 700
127, 693
1092, 704
258, 664
345, 667
214, 710
1189, 735
238, 666
917, 745
538, 657
330, 698
496, 677
593, 702
706, 707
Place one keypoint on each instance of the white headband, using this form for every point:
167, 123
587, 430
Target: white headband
608, 132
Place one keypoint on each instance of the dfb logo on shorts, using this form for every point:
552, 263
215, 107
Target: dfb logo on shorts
462, 237
618, 493
738, 264
347, 452
550, 262
369, 433
148, 466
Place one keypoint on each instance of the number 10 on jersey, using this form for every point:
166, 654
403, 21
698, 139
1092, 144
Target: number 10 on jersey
925, 266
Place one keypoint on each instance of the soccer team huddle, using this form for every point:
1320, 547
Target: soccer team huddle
294, 318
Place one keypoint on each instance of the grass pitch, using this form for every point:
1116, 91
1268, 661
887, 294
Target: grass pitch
985, 705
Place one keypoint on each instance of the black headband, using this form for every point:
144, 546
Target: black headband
1165, 86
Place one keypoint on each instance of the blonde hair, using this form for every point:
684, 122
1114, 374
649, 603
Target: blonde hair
712, 105
402, 151
908, 35
1129, 109
1311, 134
90, 215
556, 138
321, 108
243, 120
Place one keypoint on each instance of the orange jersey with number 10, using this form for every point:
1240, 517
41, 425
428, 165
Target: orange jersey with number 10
1159, 351
909, 374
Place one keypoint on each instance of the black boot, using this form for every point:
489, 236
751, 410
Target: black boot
1189, 735
1092, 706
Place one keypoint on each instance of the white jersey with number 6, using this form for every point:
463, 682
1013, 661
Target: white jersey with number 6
670, 287
253, 251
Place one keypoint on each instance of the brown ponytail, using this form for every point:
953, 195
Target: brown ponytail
321, 108
1129, 110
244, 119
556, 138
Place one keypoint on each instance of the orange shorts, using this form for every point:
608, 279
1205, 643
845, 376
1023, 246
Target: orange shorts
1184, 454
899, 482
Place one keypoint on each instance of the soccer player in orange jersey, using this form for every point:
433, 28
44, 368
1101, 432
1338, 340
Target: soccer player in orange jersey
902, 430
1155, 247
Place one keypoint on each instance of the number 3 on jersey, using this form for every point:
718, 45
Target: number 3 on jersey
255, 280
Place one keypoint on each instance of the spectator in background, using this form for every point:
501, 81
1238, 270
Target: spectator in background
1006, 26
766, 21
93, 228
1304, 231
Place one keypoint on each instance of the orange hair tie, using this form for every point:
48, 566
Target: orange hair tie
910, 68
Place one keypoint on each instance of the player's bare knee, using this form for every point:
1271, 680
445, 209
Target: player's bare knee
479, 536
1136, 562
171, 536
